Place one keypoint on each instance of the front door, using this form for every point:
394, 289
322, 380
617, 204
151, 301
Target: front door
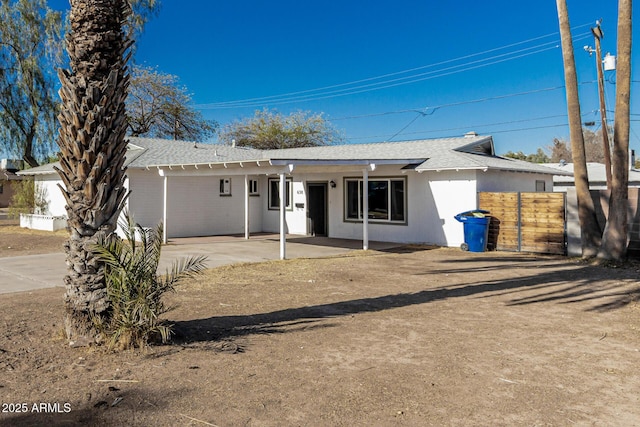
317, 208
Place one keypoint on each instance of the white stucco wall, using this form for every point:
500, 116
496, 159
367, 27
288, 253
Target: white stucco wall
57, 202
492, 180
449, 193
145, 201
195, 206
296, 217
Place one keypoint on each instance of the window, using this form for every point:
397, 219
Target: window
225, 187
253, 187
387, 199
1, 188
274, 194
540, 185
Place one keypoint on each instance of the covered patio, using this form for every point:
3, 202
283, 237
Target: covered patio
232, 249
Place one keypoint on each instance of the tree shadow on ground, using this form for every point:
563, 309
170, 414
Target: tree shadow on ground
572, 285
573, 281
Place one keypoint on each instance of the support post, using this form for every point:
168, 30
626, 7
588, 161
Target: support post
283, 207
365, 209
165, 238
246, 207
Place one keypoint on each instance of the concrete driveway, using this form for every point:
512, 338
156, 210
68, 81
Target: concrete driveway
29, 272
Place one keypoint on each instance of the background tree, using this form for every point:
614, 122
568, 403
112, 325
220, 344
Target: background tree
30, 49
594, 152
590, 230
614, 241
31, 46
538, 157
271, 130
92, 153
158, 107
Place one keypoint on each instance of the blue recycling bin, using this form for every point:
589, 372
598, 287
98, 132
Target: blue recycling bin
476, 230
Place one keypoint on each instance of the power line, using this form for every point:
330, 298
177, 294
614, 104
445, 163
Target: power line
324, 92
467, 127
452, 104
382, 85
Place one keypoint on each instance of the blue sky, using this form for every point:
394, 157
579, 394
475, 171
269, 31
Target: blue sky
458, 52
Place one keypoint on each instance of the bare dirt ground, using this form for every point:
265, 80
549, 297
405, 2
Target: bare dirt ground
416, 337
15, 241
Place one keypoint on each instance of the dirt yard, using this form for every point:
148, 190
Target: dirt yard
417, 337
16, 241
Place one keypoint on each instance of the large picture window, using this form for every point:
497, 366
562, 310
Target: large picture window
386, 196
274, 194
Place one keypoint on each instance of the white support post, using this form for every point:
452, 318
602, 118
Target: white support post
283, 207
365, 209
165, 238
246, 207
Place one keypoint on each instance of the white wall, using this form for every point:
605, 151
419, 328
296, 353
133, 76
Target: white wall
296, 218
512, 181
57, 202
449, 193
195, 206
145, 201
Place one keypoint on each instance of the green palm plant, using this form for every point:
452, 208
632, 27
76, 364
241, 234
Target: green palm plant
134, 287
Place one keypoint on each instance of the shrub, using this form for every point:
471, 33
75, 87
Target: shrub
134, 287
28, 197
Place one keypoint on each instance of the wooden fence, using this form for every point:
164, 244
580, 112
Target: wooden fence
525, 222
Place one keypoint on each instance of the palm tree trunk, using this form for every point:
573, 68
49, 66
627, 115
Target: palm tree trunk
93, 147
590, 230
614, 242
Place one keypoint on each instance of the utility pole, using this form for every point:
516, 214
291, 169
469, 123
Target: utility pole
598, 35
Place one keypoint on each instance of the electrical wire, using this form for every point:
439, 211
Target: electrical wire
466, 127
452, 104
379, 86
324, 93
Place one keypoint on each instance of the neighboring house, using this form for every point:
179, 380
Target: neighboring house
8, 169
596, 173
597, 181
413, 188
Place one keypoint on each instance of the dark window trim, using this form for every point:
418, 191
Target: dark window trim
376, 178
288, 207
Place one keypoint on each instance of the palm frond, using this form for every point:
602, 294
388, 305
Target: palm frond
134, 287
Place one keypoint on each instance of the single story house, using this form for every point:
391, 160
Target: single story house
405, 192
8, 169
596, 173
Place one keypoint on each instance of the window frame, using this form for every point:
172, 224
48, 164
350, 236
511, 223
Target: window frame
288, 191
390, 200
254, 187
222, 192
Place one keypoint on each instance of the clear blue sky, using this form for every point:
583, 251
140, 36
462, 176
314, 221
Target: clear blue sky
458, 51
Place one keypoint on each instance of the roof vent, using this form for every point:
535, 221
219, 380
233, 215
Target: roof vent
471, 134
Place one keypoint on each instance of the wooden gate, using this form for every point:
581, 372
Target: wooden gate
526, 222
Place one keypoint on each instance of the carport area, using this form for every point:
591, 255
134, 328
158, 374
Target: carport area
29, 272
225, 250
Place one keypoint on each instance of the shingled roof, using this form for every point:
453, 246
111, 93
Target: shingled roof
468, 152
